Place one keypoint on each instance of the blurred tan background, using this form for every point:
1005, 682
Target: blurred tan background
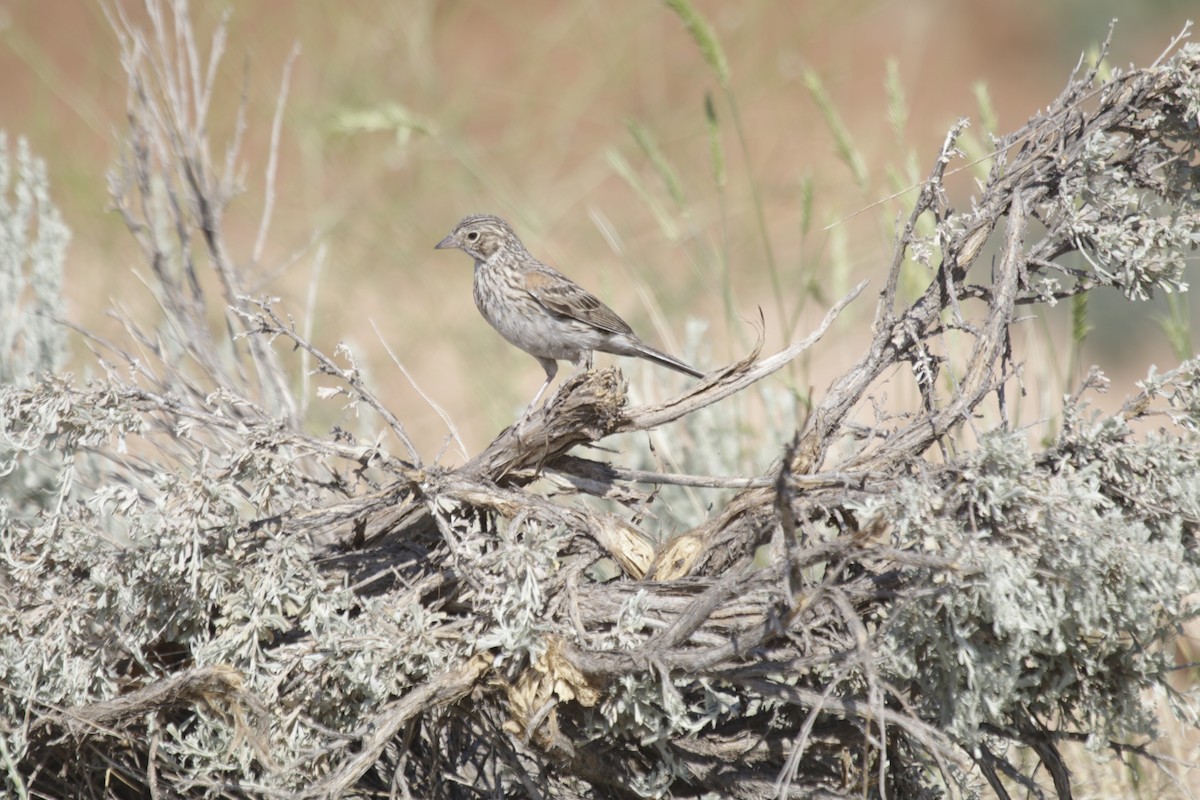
523, 110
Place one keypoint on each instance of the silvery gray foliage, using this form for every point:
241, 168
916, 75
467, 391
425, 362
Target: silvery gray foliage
510, 576
1071, 568
1112, 210
1121, 197
33, 244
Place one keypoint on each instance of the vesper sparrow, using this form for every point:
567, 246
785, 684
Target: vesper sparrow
540, 310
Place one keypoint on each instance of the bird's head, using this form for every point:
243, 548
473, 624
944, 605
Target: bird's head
482, 236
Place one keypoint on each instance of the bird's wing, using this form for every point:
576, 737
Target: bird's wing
562, 296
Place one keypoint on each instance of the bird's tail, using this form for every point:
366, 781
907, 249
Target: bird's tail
647, 352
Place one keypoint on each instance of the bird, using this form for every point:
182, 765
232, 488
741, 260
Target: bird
541, 310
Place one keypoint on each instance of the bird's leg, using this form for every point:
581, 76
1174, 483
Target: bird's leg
551, 367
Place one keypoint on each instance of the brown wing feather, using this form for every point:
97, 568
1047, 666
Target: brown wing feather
560, 295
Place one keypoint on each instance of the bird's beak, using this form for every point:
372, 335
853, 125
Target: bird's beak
446, 243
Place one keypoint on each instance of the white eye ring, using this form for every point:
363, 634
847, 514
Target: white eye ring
472, 236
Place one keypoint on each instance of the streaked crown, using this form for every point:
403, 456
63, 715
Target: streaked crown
481, 236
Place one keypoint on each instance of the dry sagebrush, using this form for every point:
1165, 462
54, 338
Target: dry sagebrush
202, 598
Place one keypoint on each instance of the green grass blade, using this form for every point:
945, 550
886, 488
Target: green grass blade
706, 40
645, 140
846, 149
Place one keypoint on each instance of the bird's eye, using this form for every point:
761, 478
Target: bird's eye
472, 236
